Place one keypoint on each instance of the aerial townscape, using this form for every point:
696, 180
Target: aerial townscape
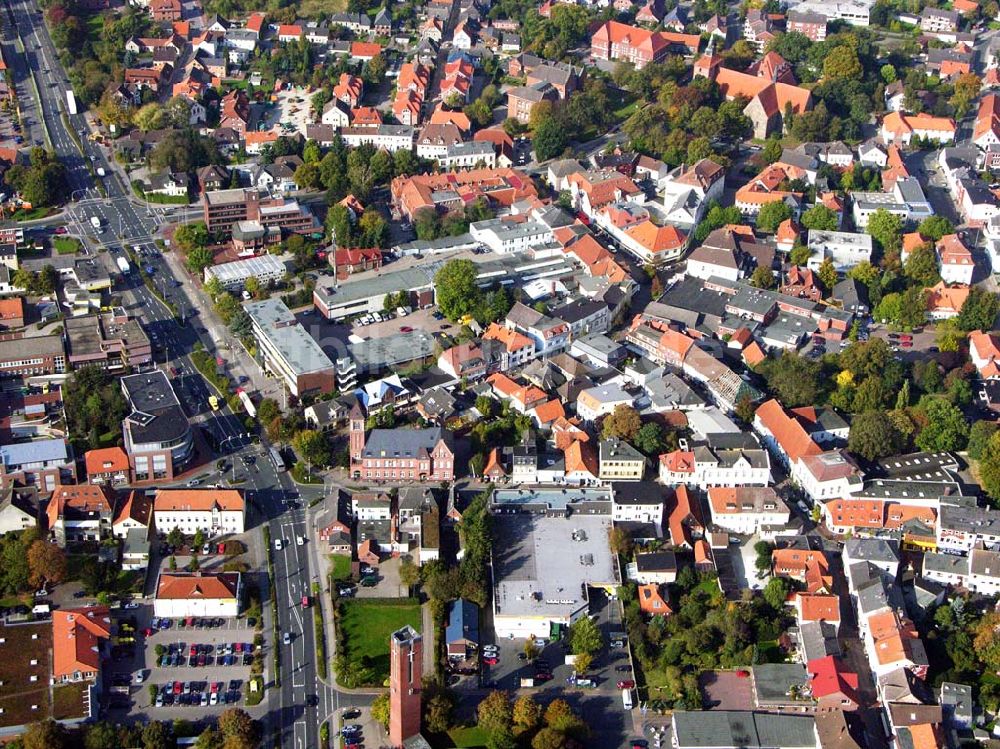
501, 374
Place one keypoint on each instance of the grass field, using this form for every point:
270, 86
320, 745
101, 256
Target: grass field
468, 736
367, 627
341, 566
312, 8
66, 245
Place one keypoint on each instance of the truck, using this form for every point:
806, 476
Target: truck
95, 221
70, 102
627, 699
279, 462
123, 265
248, 404
527, 682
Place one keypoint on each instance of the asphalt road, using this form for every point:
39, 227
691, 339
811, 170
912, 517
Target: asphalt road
302, 701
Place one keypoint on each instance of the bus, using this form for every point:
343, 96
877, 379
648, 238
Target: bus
248, 404
213, 401
627, 698
279, 462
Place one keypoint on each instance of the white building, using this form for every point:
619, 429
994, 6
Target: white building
829, 475
637, 503
906, 199
747, 509
704, 466
390, 137
216, 512
468, 155
182, 594
602, 400
267, 269
506, 237
845, 249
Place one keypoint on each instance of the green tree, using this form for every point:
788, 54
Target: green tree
486, 406
157, 735
794, 379
980, 434
762, 278
772, 150
800, 255
820, 218
624, 422
948, 336
456, 289
241, 731
380, 709
549, 139
842, 63
921, 265
45, 734
438, 713
980, 310
198, 259
873, 435
585, 636
776, 591
772, 214
495, 713
935, 227
887, 230
827, 275
527, 713
946, 428
312, 446
649, 439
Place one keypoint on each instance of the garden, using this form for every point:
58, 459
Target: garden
363, 630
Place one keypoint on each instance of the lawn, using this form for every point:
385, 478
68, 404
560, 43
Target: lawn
367, 627
341, 566
66, 245
468, 736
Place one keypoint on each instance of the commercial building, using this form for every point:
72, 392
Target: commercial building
267, 269
110, 340
546, 558
157, 435
716, 729
181, 594
378, 354
367, 293
27, 357
224, 208
42, 463
215, 512
286, 349
844, 249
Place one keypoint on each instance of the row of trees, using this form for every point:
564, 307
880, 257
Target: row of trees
235, 729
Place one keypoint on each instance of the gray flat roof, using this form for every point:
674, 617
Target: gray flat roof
379, 353
300, 350
372, 286
543, 564
239, 270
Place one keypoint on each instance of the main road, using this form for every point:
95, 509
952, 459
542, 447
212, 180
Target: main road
302, 701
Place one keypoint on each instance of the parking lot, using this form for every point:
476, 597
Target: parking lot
291, 109
187, 664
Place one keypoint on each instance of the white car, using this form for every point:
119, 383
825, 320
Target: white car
278, 544
140, 677
300, 540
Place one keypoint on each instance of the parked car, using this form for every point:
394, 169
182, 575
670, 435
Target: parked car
626, 684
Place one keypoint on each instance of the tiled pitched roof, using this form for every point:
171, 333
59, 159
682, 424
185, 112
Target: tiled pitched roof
76, 639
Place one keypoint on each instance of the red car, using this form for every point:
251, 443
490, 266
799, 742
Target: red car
743, 674
147, 632
178, 687
61, 230
543, 676
490, 661
406, 329
626, 684
906, 344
